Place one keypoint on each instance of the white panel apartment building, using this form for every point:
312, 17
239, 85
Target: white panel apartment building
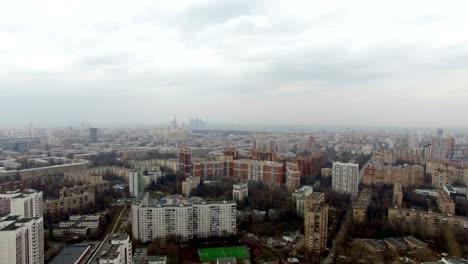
176, 216
27, 203
21, 227
345, 178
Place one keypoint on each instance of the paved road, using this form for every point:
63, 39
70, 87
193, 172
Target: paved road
347, 221
341, 234
118, 219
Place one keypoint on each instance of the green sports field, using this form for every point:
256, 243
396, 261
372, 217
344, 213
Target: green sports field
212, 254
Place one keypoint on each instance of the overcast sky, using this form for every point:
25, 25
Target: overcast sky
353, 63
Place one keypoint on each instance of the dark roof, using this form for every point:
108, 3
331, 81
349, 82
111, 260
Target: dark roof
69, 254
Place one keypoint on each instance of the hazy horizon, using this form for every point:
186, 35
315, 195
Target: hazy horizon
265, 63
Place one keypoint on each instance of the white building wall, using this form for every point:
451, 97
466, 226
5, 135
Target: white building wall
345, 178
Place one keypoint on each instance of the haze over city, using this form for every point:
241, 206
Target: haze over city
306, 63
233, 132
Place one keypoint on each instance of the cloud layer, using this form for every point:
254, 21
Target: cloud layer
234, 61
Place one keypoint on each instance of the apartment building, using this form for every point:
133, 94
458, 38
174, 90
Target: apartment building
445, 203
27, 203
116, 249
79, 178
78, 198
406, 175
310, 166
212, 169
136, 185
315, 226
293, 176
268, 172
190, 184
442, 148
427, 223
22, 228
299, 196
184, 161
21, 240
240, 191
313, 200
177, 216
345, 178
397, 198
360, 206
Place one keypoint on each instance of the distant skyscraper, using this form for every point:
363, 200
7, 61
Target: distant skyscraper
440, 132
413, 141
345, 178
197, 123
442, 148
93, 135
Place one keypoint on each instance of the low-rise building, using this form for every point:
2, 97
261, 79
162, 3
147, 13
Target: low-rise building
78, 225
141, 257
456, 192
240, 191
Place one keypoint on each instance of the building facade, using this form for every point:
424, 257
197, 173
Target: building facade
28, 203
135, 179
442, 148
116, 249
22, 229
360, 206
315, 227
310, 166
406, 175
426, 223
240, 191
268, 172
184, 161
397, 198
190, 184
93, 135
299, 196
293, 176
345, 178
183, 218
21, 240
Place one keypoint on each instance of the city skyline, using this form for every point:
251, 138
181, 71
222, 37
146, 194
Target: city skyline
234, 62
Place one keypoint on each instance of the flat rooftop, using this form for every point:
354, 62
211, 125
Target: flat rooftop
70, 254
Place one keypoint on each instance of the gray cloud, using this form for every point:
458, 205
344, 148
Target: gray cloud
238, 62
